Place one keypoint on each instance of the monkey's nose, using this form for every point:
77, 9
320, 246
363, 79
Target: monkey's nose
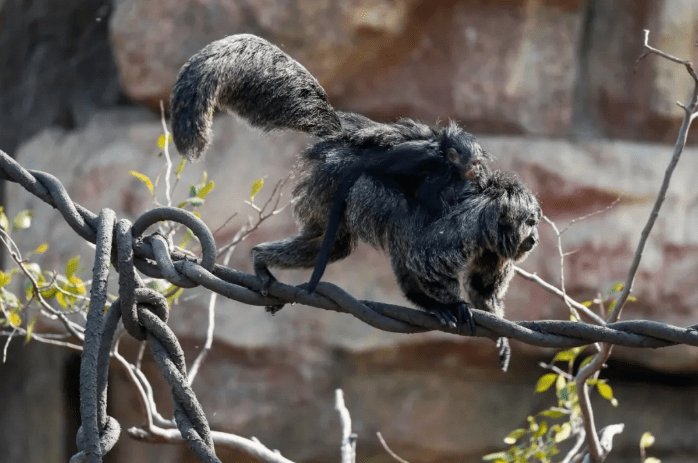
528, 244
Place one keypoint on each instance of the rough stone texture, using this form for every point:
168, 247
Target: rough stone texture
541, 67
152, 41
34, 423
435, 397
536, 68
57, 65
618, 101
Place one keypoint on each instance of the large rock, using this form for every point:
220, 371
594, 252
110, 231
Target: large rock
57, 65
432, 395
536, 67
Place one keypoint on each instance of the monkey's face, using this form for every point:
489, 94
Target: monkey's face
463, 152
510, 218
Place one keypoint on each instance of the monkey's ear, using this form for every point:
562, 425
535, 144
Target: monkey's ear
452, 156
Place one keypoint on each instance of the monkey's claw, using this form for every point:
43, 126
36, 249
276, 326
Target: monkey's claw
446, 317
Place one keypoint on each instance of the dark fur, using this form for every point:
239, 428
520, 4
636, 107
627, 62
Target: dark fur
390, 185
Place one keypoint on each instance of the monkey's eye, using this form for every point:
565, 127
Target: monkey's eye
531, 222
452, 155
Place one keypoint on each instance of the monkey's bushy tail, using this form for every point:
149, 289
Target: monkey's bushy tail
249, 76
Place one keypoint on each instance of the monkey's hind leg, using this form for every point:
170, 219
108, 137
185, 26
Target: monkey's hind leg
297, 252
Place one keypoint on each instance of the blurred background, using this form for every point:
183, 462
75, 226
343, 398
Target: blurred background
550, 89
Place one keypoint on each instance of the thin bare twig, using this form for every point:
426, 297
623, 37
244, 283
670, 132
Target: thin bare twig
166, 151
348, 446
597, 451
584, 217
390, 452
652, 50
554, 290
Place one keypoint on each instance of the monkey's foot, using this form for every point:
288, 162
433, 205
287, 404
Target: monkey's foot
504, 353
267, 278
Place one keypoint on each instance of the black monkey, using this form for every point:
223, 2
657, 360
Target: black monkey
249, 76
426, 170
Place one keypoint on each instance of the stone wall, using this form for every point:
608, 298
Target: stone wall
549, 88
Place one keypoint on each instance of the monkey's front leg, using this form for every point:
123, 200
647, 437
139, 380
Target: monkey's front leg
486, 290
436, 293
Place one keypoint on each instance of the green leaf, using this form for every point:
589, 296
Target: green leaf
30, 329
144, 178
545, 381
586, 361
587, 304
554, 414
4, 223
205, 190
542, 429
604, 390
187, 237
256, 187
180, 167
174, 297
72, 266
567, 355
22, 220
164, 139
513, 436
616, 288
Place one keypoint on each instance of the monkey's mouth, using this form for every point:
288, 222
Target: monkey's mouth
525, 248
471, 173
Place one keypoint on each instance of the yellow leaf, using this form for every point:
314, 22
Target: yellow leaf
30, 329
41, 249
565, 432
256, 186
4, 223
545, 381
205, 190
605, 390
164, 139
144, 178
180, 167
514, 436
15, 319
5, 278
72, 266
646, 440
